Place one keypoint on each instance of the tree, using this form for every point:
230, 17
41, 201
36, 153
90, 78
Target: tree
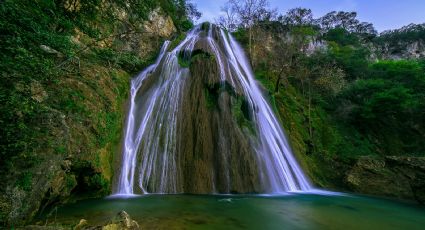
228, 19
365, 28
329, 80
288, 50
297, 16
347, 21
191, 11
249, 12
341, 19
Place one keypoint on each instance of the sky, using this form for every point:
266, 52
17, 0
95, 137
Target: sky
384, 14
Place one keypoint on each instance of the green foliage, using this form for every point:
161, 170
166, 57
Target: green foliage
342, 37
205, 26
185, 59
304, 31
352, 59
410, 33
210, 98
98, 183
89, 182
185, 25
36, 47
335, 102
242, 113
70, 183
241, 35
177, 40
212, 93
64, 77
181, 12
110, 128
23, 29
328, 146
388, 106
131, 62
25, 181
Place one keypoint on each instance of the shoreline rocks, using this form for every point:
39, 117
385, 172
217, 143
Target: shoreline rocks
392, 176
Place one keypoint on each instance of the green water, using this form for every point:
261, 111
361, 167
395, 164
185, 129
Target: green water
299, 211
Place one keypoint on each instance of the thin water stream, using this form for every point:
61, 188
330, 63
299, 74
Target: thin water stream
174, 144
156, 152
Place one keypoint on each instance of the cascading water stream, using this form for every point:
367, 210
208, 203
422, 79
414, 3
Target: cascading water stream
158, 147
285, 172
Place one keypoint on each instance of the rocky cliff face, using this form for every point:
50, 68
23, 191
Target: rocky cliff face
210, 127
404, 43
198, 123
81, 128
399, 177
152, 32
401, 50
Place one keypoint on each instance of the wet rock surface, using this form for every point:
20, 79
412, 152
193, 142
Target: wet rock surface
72, 156
393, 176
121, 221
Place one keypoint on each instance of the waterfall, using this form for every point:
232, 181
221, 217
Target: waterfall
199, 123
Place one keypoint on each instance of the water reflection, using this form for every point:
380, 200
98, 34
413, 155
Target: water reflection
292, 211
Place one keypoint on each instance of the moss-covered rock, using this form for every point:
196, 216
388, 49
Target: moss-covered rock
122, 221
392, 176
338, 158
212, 163
185, 59
63, 106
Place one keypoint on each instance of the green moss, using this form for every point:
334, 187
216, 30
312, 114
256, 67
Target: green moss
176, 41
61, 149
212, 93
185, 59
210, 98
69, 102
198, 53
205, 26
131, 62
25, 181
316, 151
242, 113
99, 183
70, 183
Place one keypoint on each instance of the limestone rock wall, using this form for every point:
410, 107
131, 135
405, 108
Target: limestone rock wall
81, 129
399, 177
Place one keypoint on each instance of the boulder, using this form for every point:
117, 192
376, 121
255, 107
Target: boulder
122, 221
82, 225
392, 176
